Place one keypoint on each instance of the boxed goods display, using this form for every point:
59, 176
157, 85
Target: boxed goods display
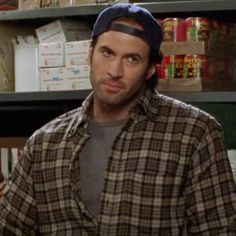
66, 3
63, 31
77, 78
64, 66
65, 78
76, 53
52, 79
27, 4
81, 2
51, 54
48, 3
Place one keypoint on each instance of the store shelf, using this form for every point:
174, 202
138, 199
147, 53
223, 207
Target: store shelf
19, 97
22, 113
204, 97
14, 98
155, 7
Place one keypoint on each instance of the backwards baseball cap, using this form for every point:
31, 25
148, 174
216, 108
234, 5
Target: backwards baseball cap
151, 33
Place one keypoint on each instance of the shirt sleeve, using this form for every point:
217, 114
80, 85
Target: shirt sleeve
210, 188
18, 214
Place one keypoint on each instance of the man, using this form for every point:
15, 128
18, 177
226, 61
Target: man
2, 184
129, 161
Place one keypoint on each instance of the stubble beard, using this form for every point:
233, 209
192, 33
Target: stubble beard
118, 100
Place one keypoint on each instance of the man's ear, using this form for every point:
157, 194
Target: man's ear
90, 53
151, 71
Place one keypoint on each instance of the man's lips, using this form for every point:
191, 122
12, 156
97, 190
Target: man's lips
114, 87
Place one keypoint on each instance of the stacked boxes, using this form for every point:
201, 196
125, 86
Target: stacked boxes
76, 53
51, 54
63, 52
63, 31
76, 61
33, 4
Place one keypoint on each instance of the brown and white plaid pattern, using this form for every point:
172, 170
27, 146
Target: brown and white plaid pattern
168, 175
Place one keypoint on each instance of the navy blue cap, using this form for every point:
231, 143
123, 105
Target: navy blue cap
151, 33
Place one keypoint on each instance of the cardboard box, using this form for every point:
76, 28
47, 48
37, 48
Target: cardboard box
77, 78
198, 48
48, 3
52, 79
27, 4
63, 31
183, 48
84, 2
51, 54
66, 3
76, 53
179, 85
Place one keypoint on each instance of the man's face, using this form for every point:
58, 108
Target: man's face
119, 67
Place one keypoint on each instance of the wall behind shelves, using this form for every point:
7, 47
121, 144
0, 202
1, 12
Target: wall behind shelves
24, 120
225, 115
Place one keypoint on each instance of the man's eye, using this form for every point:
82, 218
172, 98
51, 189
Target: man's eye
106, 53
133, 59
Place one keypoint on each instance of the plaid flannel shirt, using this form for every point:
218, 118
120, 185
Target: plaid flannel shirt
168, 174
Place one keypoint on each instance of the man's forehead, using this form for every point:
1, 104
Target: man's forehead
113, 41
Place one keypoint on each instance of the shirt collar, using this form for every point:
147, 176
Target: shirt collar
143, 109
146, 107
81, 116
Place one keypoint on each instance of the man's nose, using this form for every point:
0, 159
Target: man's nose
116, 68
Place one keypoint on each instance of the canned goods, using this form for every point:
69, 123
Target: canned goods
173, 29
179, 65
231, 34
214, 31
172, 67
167, 67
223, 32
225, 69
197, 66
197, 28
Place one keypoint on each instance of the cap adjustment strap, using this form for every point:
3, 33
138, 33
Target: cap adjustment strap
127, 30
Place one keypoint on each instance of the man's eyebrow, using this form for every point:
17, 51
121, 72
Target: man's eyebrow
130, 54
105, 47
135, 54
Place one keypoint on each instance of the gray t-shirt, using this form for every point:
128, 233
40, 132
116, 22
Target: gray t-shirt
93, 162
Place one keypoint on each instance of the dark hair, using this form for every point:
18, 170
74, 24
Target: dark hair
154, 58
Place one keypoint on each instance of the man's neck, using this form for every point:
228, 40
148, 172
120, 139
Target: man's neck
108, 113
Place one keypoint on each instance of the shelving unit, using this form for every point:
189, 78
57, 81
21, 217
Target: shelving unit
7, 99
36, 108
155, 7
